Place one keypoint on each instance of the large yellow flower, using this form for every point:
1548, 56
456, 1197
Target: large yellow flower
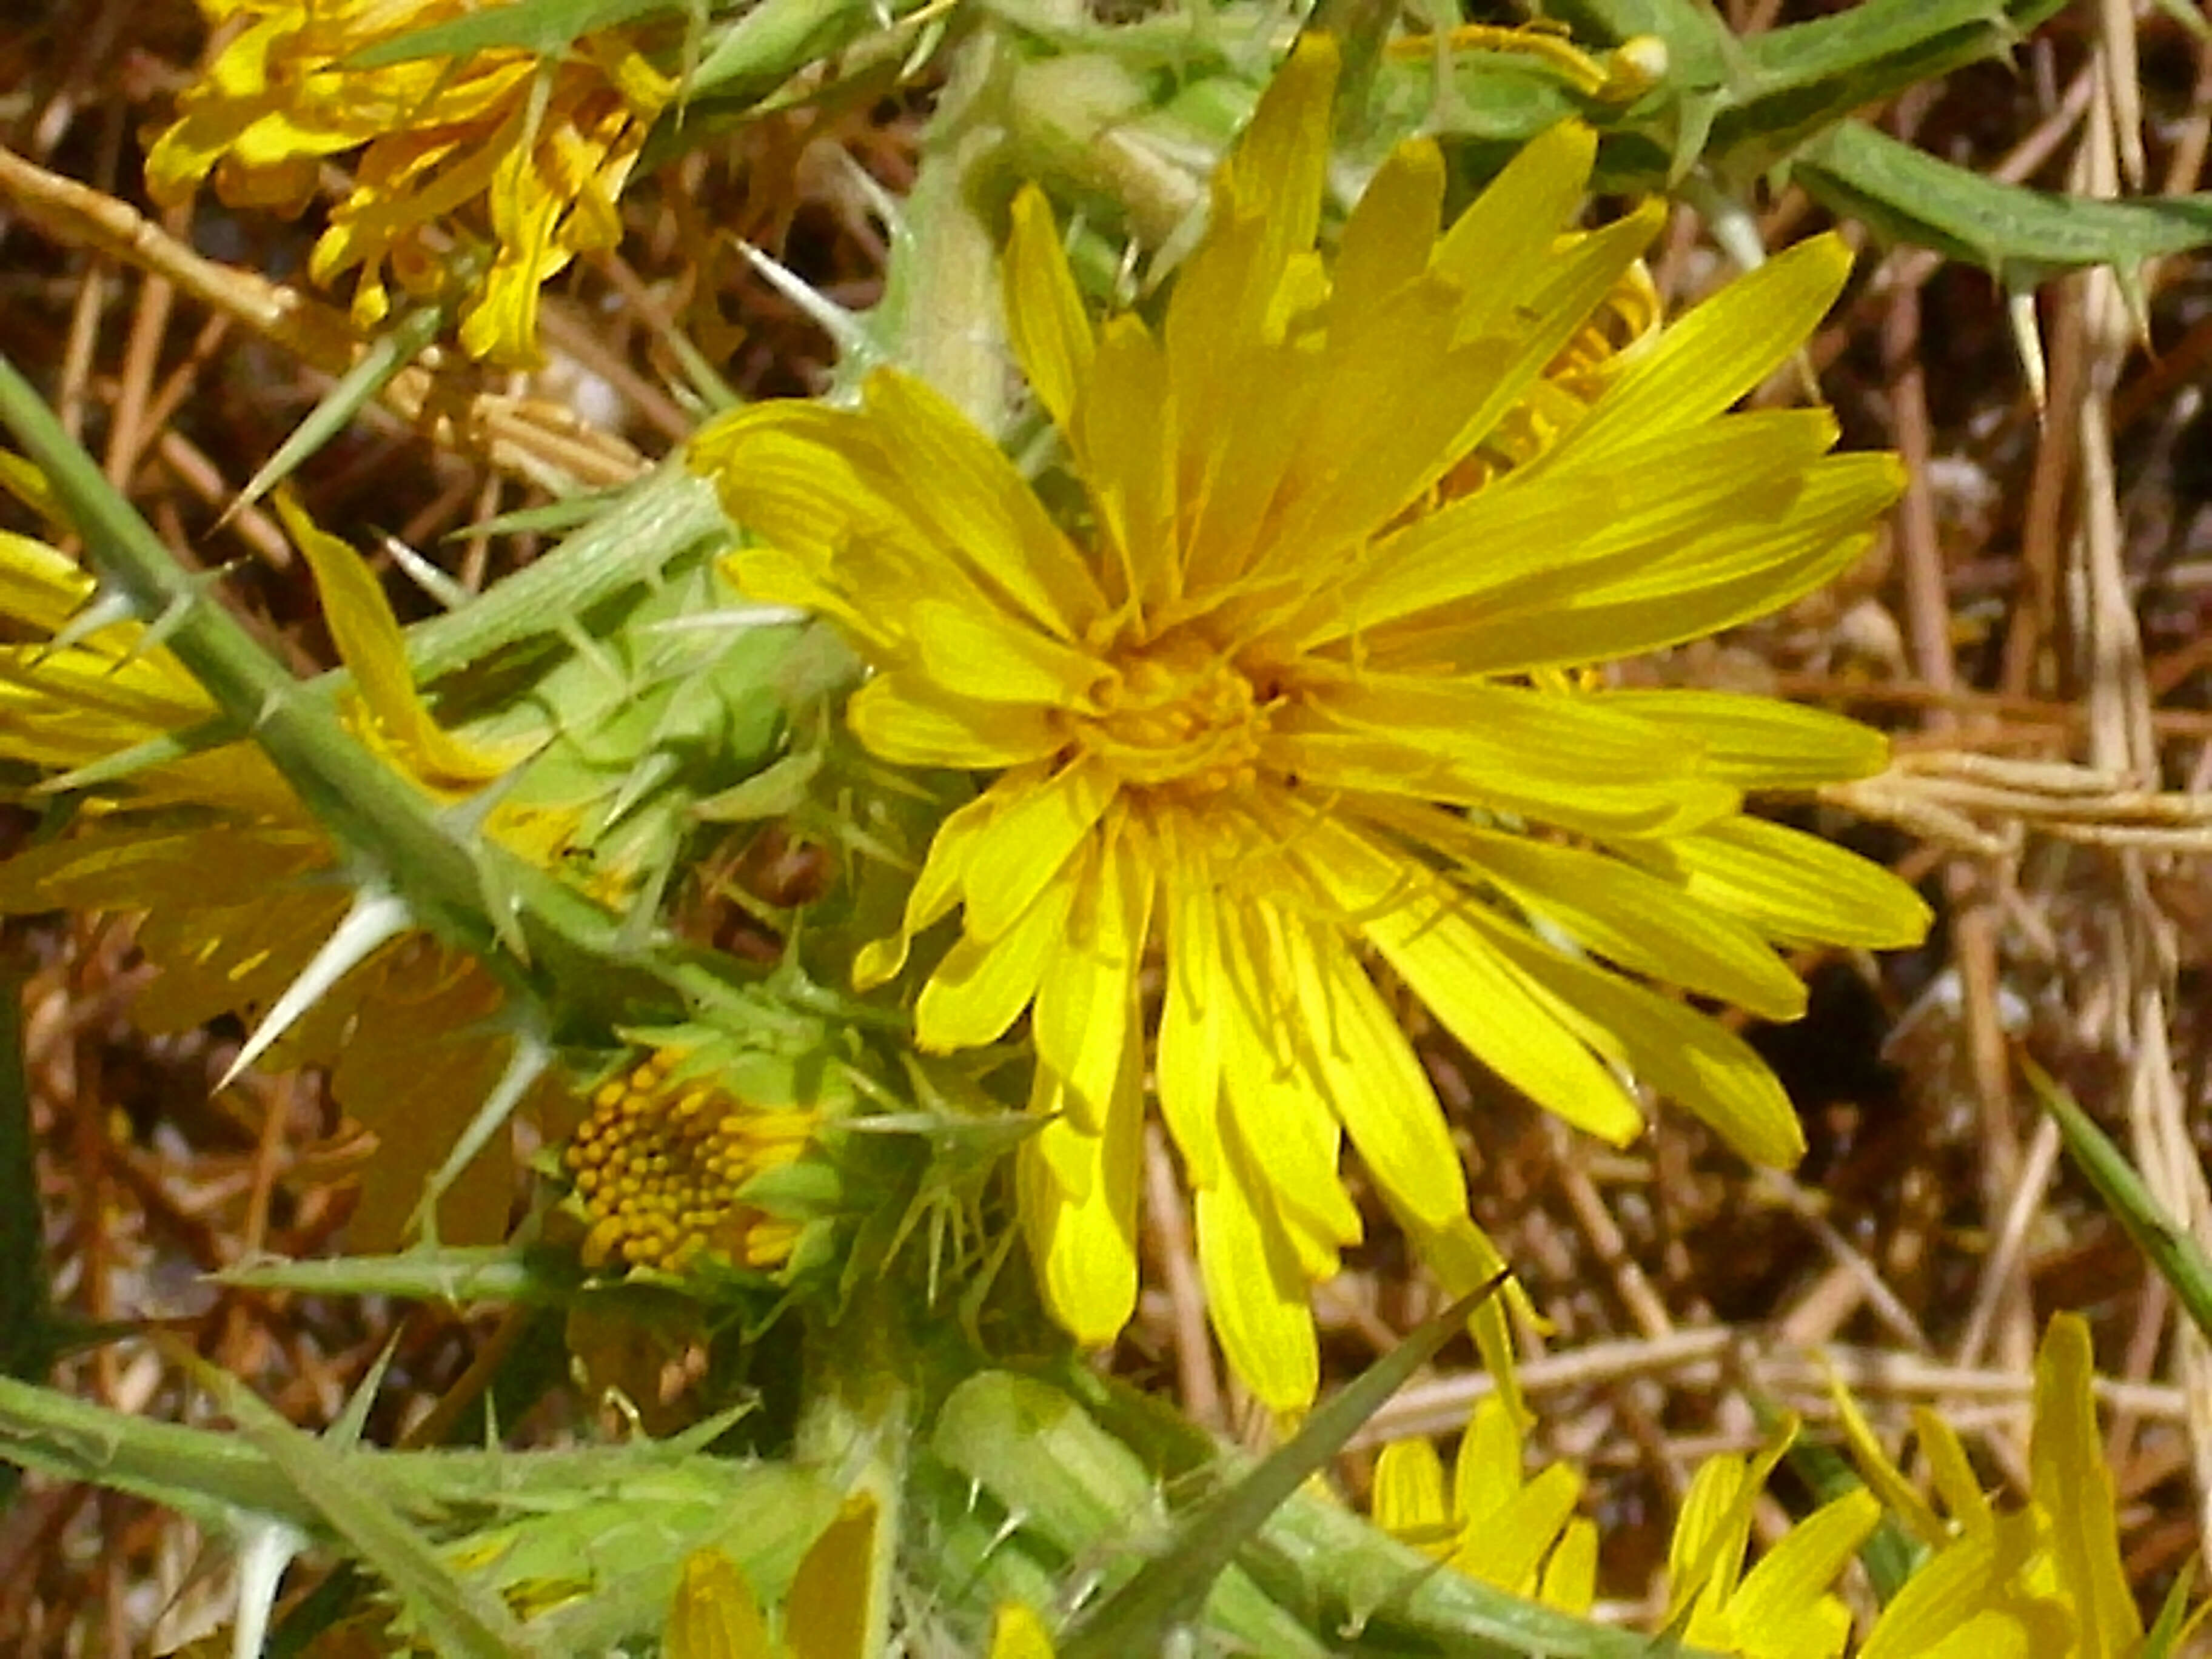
1292, 702
545, 148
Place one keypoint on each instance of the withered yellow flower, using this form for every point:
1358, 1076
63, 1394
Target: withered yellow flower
1294, 699
529, 153
238, 887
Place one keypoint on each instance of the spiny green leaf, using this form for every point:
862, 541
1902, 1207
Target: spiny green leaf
619, 1554
541, 939
1886, 38
1340, 1573
1796, 82
661, 518
547, 519
1170, 1590
777, 39
457, 1275
1065, 1480
350, 393
2177, 1257
2021, 237
460, 1617
207, 1476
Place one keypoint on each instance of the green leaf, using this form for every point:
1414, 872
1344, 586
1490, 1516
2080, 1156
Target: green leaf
2173, 1620
660, 518
2021, 237
461, 1618
1065, 1481
456, 1275
350, 393
1170, 1589
207, 1474
1796, 82
552, 518
544, 941
208, 1477
2177, 1258
1340, 1573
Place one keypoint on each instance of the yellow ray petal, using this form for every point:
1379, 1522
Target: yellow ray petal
1634, 920
1033, 833
715, 1615
980, 987
1256, 1289
1693, 1060
1795, 888
1408, 1500
1086, 1021
1376, 1085
1760, 743
1429, 938
1045, 316
1192, 1015
368, 639
1723, 348
1078, 1202
908, 718
1392, 229
965, 494
1536, 540
1785, 1603
2071, 1483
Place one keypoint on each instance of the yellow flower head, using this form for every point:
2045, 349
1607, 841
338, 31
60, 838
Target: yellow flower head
541, 148
2043, 1582
1497, 1525
1523, 1535
1282, 708
660, 1162
1784, 1607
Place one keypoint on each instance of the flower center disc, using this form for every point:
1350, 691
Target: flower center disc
1177, 715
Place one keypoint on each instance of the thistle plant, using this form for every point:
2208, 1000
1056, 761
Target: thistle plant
1185, 658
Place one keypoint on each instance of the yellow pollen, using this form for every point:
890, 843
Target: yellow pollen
1178, 716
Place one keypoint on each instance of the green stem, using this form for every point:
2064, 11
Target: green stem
350, 792
946, 314
629, 541
532, 932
